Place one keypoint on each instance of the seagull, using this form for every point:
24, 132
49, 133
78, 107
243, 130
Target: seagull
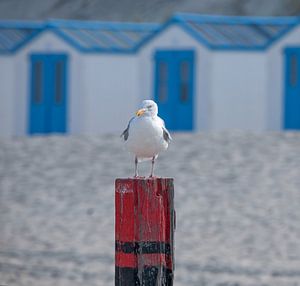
146, 135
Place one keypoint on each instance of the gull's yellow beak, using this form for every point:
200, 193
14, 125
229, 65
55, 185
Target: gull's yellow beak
140, 112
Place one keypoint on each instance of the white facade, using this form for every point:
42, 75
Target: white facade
239, 91
7, 85
110, 92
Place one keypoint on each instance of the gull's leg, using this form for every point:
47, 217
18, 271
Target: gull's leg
135, 167
152, 166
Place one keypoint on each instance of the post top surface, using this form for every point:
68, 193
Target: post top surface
144, 179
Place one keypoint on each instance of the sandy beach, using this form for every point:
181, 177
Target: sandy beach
237, 198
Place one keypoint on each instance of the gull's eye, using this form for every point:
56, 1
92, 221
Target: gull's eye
149, 106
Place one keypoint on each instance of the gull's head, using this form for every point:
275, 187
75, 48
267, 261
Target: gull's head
149, 108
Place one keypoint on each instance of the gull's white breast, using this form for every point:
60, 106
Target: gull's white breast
145, 138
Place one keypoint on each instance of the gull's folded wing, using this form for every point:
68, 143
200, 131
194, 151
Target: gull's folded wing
125, 133
166, 134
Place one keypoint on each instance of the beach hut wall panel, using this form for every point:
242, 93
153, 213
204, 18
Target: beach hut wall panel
47, 43
238, 91
277, 79
7, 85
110, 92
174, 38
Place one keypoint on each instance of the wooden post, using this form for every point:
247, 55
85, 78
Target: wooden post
144, 232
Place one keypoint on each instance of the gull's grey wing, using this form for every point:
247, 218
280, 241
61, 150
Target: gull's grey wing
166, 134
125, 133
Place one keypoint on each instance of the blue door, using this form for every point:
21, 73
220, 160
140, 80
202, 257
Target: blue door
292, 89
174, 88
48, 97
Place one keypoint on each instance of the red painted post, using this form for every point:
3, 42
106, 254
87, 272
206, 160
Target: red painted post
144, 232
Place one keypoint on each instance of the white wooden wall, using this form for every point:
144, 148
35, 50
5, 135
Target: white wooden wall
7, 87
110, 92
239, 91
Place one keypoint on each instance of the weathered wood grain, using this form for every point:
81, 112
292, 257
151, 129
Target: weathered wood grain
145, 223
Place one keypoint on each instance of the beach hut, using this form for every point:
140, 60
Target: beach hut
205, 72
72, 77
224, 72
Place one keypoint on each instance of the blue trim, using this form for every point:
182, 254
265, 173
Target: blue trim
281, 34
80, 48
95, 49
245, 20
25, 41
108, 26
118, 26
21, 43
197, 37
76, 24
131, 46
21, 25
121, 44
182, 21
262, 31
5, 41
223, 47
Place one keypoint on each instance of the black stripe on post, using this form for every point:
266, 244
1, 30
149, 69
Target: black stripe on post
126, 247
146, 247
126, 276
